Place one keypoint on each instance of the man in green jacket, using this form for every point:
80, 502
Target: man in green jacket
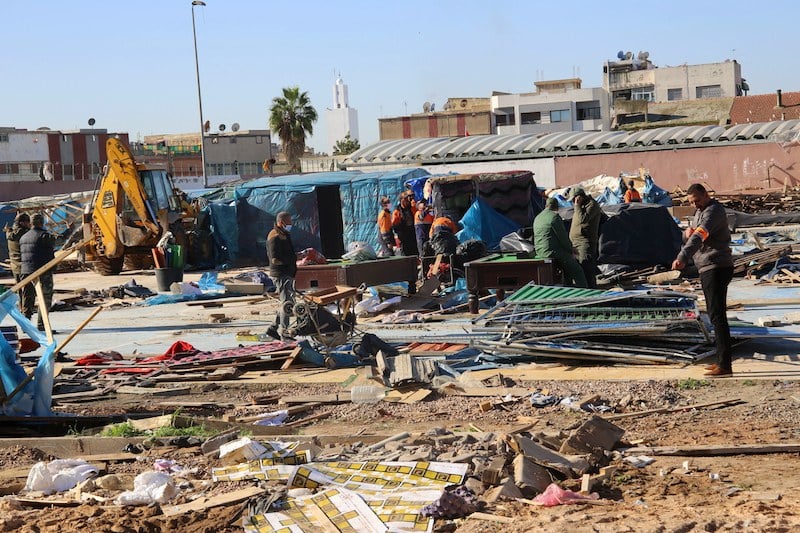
585, 233
551, 242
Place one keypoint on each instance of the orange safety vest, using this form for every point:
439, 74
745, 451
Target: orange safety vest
443, 221
632, 195
423, 217
385, 221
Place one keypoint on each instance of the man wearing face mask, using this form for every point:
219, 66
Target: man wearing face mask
282, 269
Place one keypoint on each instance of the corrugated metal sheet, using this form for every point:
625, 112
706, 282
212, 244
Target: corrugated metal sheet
486, 146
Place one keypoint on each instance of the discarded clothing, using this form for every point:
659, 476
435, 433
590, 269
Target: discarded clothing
555, 495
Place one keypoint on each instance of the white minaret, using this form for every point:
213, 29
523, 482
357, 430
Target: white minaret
342, 119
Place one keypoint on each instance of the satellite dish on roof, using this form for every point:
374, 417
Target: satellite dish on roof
426, 107
628, 55
222, 127
620, 55
235, 126
91, 122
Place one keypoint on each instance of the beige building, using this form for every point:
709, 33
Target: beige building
557, 105
638, 79
459, 117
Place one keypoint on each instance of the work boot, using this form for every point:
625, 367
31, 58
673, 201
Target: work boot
272, 331
712, 366
719, 372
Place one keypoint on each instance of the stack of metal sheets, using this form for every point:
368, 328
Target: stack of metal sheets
643, 326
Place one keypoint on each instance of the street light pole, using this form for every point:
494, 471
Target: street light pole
199, 97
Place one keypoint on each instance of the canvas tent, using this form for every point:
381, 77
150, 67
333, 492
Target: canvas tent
330, 210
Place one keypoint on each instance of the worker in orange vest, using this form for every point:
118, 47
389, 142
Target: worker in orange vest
443, 222
403, 225
632, 195
423, 220
385, 233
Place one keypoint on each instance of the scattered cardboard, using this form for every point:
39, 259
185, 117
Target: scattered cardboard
204, 503
596, 433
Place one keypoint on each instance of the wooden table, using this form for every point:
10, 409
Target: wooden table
351, 274
505, 272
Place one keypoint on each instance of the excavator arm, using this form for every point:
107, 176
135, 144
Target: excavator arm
120, 179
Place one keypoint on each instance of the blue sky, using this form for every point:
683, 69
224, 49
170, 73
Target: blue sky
130, 64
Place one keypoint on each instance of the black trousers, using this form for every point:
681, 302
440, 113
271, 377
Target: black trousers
715, 289
589, 266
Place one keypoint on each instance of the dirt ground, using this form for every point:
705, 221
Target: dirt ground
716, 493
721, 493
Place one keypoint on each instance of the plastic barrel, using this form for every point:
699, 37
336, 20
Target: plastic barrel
167, 276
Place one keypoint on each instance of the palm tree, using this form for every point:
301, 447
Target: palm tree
292, 117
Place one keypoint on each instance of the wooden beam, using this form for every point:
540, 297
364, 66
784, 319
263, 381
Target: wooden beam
292, 356
60, 256
44, 312
712, 450
79, 328
203, 503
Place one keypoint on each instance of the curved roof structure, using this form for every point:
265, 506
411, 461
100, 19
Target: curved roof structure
483, 147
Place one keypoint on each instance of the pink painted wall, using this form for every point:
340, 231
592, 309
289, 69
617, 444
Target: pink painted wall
725, 168
26, 189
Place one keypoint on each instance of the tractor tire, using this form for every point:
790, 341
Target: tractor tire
106, 266
139, 262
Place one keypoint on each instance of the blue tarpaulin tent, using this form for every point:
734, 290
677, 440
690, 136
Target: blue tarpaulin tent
329, 211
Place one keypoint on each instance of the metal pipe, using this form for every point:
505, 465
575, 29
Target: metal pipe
199, 96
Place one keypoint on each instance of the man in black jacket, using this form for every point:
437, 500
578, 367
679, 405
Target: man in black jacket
708, 242
282, 269
36, 250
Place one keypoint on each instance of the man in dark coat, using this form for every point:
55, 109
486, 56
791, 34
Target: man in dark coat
708, 242
584, 232
22, 223
282, 269
36, 250
551, 241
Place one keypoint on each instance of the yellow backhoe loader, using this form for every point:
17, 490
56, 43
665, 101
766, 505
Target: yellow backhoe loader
133, 206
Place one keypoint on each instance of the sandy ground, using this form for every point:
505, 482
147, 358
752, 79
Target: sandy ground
717, 493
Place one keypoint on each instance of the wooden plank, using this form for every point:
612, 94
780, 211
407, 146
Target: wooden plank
711, 450
416, 396
44, 312
153, 391
308, 419
60, 256
155, 422
97, 394
634, 414
203, 503
199, 404
221, 425
341, 397
241, 299
292, 356
78, 329
294, 410
492, 518
477, 392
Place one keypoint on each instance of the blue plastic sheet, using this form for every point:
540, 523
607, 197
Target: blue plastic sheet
653, 194
208, 283
609, 197
36, 396
485, 224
